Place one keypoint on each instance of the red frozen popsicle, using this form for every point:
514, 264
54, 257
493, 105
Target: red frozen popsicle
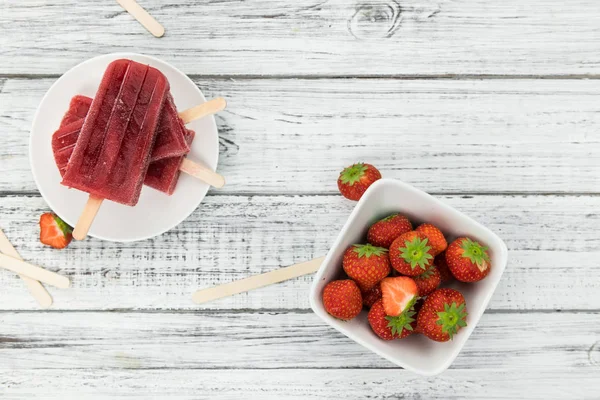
112, 153
65, 138
162, 174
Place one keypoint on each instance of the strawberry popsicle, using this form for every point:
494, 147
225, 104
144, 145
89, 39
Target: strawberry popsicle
162, 174
112, 153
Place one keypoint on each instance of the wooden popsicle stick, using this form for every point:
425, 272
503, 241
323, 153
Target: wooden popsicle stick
34, 272
147, 20
257, 281
195, 169
87, 217
201, 172
202, 110
37, 290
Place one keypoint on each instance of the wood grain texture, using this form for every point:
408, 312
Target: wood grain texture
126, 384
312, 37
232, 237
444, 136
90, 340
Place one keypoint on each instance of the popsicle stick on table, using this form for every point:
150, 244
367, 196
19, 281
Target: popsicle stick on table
34, 272
192, 168
257, 281
142, 16
37, 290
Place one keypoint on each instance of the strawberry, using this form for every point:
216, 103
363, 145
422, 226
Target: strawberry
437, 241
398, 294
342, 299
383, 232
366, 264
468, 260
410, 254
442, 266
54, 231
442, 315
356, 179
388, 328
371, 296
428, 281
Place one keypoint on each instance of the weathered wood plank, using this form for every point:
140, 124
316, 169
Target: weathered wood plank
308, 37
553, 252
294, 136
475, 384
83, 340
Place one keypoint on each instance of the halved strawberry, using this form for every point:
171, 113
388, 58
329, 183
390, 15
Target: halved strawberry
54, 231
398, 294
388, 328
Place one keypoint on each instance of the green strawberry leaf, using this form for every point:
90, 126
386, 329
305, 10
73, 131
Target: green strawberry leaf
368, 250
62, 225
475, 252
416, 252
401, 322
452, 318
353, 174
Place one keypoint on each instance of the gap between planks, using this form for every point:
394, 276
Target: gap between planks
276, 311
457, 77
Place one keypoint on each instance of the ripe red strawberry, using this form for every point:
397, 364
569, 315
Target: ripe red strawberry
410, 254
366, 264
468, 260
398, 294
388, 328
356, 179
371, 296
54, 231
342, 299
442, 266
437, 241
442, 315
428, 281
383, 232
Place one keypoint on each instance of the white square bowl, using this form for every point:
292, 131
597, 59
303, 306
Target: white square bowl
387, 196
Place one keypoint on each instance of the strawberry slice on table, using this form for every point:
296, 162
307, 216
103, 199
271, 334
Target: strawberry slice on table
370, 297
389, 328
383, 232
436, 238
442, 266
443, 314
356, 179
342, 299
411, 254
468, 260
428, 281
399, 294
366, 265
54, 231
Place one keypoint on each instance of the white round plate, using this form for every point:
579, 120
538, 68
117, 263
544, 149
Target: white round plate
156, 212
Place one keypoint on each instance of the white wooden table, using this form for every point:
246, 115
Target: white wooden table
491, 105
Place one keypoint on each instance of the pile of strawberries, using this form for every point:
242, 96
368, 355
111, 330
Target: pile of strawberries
397, 275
